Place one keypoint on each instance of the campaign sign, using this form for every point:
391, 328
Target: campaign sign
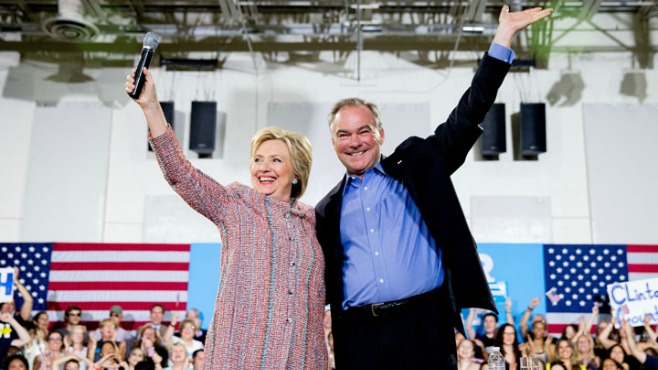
634, 300
6, 284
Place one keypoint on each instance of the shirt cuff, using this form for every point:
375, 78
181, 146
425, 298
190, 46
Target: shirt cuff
501, 52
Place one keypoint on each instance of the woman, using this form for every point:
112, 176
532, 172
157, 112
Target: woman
618, 354
585, 352
610, 364
270, 299
38, 332
75, 344
466, 356
179, 358
569, 331
150, 344
54, 350
187, 330
540, 343
567, 354
508, 342
16, 362
136, 356
108, 331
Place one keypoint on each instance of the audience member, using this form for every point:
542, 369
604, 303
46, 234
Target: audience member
14, 362
567, 354
54, 350
12, 334
487, 337
194, 315
178, 358
122, 335
24, 313
72, 317
198, 359
156, 314
508, 342
186, 338
466, 359
540, 344
136, 355
151, 343
617, 353
108, 331
38, 331
75, 344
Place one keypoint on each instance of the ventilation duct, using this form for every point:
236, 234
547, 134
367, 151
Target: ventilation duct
69, 24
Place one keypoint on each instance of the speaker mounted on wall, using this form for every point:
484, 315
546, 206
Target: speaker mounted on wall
533, 128
168, 109
493, 140
203, 127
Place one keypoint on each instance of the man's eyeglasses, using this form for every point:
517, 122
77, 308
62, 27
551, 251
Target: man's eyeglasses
76, 314
54, 339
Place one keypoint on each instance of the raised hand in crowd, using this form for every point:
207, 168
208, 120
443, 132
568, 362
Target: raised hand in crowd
525, 318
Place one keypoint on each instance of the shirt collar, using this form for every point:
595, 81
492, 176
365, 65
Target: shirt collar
376, 168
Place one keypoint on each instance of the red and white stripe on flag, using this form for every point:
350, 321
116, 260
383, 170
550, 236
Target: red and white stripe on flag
96, 276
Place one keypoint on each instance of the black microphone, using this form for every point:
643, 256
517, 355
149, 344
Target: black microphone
151, 41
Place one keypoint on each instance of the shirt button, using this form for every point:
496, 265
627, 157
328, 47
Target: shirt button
290, 291
292, 263
365, 188
287, 215
368, 209
372, 230
381, 281
289, 320
376, 253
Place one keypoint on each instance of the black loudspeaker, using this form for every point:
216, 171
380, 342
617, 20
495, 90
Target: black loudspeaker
168, 109
203, 127
493, 140
533, 128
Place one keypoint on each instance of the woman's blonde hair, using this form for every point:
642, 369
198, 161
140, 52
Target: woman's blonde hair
300, 153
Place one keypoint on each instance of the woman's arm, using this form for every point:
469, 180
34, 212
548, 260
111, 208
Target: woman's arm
470, 332
170, 330
523, 324
604, 336
198, 190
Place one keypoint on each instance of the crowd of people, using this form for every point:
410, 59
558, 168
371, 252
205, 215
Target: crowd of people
596, 342
30, 342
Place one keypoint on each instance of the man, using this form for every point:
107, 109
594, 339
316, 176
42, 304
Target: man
156, 314
72, 317
400, 258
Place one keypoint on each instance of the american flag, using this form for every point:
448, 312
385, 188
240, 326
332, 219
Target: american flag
95, 277
580, 274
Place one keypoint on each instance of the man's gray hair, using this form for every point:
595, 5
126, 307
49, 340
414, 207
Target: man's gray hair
356, 102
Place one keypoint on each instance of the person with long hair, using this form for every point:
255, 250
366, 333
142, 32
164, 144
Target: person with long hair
508, 342
567, 354
617, 353
585, 352
466, 356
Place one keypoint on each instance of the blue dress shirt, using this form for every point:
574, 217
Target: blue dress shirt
390, 253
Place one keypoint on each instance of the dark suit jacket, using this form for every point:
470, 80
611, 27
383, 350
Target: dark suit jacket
424, 166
